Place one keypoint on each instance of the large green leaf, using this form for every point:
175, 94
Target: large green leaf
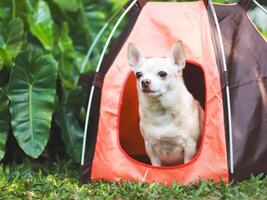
32, 90
67, 57
69, 5
70, 60
41, 23
91, 18
11, 41
66, 118
4, 122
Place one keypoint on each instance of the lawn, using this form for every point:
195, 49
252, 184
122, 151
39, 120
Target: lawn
59, 180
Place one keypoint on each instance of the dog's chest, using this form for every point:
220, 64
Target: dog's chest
168, 138
163, 129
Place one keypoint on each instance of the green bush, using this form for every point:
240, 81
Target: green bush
42, 46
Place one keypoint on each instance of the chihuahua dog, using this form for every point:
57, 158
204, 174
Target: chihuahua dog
171, 119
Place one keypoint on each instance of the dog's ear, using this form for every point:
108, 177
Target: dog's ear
177, 55
135, 57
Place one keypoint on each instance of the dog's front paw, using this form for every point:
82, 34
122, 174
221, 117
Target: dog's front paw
156, 162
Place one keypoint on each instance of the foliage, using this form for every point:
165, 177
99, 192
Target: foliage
42, 46
11, 41
4, 122
59, 181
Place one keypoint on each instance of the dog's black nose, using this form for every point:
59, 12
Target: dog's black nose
146, 83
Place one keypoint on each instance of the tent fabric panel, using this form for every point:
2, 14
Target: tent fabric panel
155, 32
246, 51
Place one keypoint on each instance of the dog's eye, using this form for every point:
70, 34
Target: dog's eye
138, 75
162, 74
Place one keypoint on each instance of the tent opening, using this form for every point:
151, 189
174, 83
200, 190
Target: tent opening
130, 138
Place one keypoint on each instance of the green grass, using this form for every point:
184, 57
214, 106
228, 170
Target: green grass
33, 180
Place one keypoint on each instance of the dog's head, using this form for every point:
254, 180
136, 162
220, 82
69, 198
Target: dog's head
156, 75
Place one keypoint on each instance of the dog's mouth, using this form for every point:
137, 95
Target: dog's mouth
150, 92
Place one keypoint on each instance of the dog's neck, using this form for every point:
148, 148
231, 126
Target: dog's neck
169, 101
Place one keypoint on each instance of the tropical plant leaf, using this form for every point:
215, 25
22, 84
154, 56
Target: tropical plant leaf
65, 43
11, 41
91, 17
69, 5
113, 5
4, 122
67, 58
41, 23
4, 77
66, 119
32, 90
71, 102
2, 61
71, 133
96, 18
21, 9
5, 9
14, 37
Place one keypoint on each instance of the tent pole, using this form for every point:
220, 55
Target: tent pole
141, 3
98, 36
246, 3
260, 6
228, 99
97, 69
